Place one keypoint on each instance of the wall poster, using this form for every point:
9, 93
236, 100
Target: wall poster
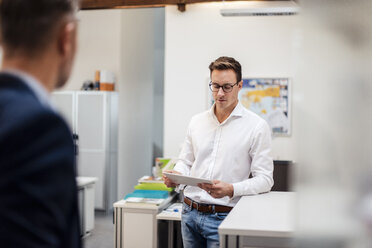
269, 98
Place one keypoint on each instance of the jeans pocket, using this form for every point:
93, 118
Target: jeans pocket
220, 216
185, 208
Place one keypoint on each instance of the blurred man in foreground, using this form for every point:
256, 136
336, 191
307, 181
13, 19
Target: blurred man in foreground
38, 193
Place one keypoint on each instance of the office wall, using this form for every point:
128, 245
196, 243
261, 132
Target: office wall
99, 37
263, 45
130, 43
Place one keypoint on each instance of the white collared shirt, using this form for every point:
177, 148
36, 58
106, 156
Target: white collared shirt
40, 92
227, 151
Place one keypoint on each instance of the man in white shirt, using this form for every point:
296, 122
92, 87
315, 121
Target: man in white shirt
225, 144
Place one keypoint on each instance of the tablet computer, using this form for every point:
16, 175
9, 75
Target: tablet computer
188, 180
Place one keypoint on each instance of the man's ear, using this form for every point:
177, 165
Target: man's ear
240, 84
66, 38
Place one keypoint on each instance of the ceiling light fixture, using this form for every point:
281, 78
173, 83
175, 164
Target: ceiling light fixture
260, 8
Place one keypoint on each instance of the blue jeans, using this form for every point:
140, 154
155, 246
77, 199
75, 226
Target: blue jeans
200, 230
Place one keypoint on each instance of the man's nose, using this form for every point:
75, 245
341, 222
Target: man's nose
220, 92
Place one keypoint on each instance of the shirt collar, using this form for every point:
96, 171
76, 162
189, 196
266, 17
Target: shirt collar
238, 111
34, 84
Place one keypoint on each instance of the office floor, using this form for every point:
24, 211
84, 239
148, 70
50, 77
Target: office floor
103, 233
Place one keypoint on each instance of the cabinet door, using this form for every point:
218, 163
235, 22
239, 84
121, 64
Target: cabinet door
65, 105
89, 208
90, 122
138, 230
92, 164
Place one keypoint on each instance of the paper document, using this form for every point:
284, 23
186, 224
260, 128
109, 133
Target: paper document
181, 179
144, 200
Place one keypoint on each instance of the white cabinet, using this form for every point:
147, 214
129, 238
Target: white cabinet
93, 116
136, 224
86, 204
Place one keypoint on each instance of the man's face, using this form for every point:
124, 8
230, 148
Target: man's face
225, 100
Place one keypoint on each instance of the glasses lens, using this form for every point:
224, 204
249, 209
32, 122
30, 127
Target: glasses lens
214, 87
227, 87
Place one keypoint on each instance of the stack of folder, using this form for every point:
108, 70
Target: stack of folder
149, 191
147, 196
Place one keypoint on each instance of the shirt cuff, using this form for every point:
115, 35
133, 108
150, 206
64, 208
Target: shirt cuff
238, 190
180, 187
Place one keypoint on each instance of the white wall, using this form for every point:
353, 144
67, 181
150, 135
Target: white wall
99, 45
193, 39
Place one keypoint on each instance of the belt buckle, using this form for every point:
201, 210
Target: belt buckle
213, 208
197, 205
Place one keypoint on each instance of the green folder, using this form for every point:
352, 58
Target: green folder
153, 186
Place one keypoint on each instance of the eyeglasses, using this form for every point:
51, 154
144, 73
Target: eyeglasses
226, 87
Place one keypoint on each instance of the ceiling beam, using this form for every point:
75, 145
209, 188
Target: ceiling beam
113, 4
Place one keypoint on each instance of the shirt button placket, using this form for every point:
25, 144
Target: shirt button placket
215, 150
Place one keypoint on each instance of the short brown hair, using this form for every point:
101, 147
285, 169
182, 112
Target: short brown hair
227, 63
26, 25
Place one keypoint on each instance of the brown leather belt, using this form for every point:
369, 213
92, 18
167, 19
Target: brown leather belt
207, 208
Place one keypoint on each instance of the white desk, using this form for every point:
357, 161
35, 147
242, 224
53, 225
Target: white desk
265, 220
136, 224
86, 203
171, 216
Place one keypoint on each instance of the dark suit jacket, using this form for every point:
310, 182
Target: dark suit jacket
38, 192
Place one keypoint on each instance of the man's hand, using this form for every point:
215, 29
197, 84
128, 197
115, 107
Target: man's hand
167, 181
218, 189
